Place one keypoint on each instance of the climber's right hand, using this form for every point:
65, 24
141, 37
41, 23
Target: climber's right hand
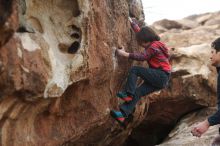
121, 52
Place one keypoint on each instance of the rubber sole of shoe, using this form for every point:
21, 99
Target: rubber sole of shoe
116, 119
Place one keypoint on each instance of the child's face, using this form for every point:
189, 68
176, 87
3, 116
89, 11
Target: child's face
215, 58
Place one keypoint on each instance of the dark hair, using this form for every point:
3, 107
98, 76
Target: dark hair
146, 34
216, 44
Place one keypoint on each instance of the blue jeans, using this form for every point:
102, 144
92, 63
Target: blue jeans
154, 80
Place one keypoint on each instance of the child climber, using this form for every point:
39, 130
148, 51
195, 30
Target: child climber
155, 77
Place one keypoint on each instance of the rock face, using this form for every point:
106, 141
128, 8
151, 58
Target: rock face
59, 73
57, 44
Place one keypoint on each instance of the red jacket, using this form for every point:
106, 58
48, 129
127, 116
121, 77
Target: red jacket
156, 55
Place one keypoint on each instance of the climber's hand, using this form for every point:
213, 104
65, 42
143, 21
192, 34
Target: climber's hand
121, 52
200, 128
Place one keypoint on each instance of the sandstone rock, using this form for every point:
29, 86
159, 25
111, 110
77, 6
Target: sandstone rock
181, 134
136, 9
188, 24
158, 29
83, 78
214, 21
168, 24
190, 37
192, 17
56, 25
203, 18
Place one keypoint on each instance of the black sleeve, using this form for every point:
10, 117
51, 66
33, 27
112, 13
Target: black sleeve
215, 118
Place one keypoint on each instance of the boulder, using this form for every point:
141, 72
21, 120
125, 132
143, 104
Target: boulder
181, 134
188, 24
168, 24
59, 73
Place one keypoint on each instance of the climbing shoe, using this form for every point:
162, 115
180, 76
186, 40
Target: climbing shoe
124, 96
119, 117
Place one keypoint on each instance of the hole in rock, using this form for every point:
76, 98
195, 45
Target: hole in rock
23, 29
74, 47
75, 35
74, 28
75, 32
